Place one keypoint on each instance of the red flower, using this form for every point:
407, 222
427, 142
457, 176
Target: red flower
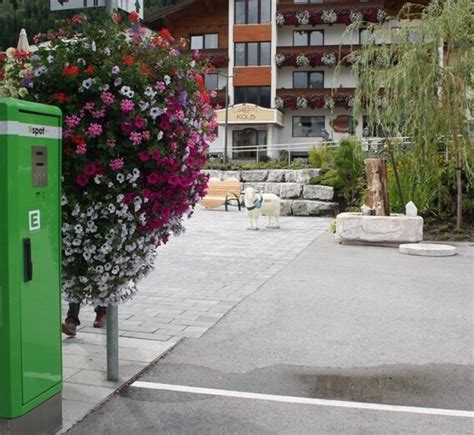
82, 180
117, 18
90, 69
78, 139
128, 60
165, 33
71, 70
2, 75
2, 57
145, 69
133, 17
61, 97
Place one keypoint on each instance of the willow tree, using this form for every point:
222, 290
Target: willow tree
416, 80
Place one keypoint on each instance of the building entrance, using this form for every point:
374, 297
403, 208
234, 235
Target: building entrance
244, 143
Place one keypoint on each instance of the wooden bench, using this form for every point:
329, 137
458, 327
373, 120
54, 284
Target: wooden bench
222, 193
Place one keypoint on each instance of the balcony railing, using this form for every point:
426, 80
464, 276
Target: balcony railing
314, 98
312, 56
289, 5
217, 57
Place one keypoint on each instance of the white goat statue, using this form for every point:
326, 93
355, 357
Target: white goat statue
258, 204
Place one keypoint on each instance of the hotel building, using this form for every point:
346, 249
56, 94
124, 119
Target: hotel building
277, 59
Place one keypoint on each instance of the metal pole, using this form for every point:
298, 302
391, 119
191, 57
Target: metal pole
226, 117
112, 343
110, 6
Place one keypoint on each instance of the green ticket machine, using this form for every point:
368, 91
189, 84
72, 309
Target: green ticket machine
30, 268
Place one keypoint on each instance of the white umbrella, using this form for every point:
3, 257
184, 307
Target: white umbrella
23, 41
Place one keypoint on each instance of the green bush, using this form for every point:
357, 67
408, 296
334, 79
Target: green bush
321, 158
315, 180
349, 171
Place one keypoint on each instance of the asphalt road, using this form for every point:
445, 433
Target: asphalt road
347, 323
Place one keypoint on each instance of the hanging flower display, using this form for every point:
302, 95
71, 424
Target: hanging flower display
137, 122
316, 17
280, 59
329, 59
280, 19
356, 16
329, 102
329, 16
302, 60
381, 15
301, 102
303, 17
279, 103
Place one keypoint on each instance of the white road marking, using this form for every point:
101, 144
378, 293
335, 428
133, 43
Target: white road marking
303, 400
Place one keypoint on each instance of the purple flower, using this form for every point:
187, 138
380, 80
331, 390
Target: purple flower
116, 164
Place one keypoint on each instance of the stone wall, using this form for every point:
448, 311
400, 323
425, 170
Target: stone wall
298, 198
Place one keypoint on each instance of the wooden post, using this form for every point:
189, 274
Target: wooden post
377, 192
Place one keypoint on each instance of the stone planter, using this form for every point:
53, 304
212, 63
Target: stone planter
382, 230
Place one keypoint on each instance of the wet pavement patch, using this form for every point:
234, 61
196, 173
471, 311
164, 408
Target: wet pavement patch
445, 386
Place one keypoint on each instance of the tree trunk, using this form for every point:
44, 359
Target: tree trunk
377, 192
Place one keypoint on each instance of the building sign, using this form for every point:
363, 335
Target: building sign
250, 114
62, 5
341, 124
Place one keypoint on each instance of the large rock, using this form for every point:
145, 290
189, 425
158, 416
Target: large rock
285, 207
325, 193
301, 175
273, 188
276, 176
258, 187
291, 190
213, 173
394, 229
254, 176
230, 174
312, 208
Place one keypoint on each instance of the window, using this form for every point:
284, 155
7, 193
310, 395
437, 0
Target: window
308, 79
252, 11
308, 126
259, 95
410, 34
308, 37
374, 131
245, 138
252, 53
204, 42
212, 81
364, 35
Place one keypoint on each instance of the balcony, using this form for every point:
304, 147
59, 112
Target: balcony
327, 14
217, 57
322, 98
289, 5
314, 56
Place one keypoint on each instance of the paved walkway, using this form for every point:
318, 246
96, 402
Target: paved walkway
200, 276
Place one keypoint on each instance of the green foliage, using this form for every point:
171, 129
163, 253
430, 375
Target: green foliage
321, 158
315, 180
270, 164
349, 165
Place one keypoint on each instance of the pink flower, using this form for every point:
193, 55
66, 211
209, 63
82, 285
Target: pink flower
98, 113
160, 86
90, 169
111, 143
135, 138
146, 135
82, 180
127, 106
116, 164
144, 156
89, 106
153, 178
107, 98
81, 149
72, 121
139, 122
94, 130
